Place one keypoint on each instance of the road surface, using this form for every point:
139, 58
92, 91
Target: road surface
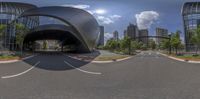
56, 76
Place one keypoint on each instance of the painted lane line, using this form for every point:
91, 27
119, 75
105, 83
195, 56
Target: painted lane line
95, 73
29, 57
149, 53
11, 76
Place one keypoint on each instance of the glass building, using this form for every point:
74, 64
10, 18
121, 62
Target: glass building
191, 19
9, 14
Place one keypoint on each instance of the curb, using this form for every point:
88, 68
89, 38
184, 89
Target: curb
10, 61
178, 59
17, 60
103, 61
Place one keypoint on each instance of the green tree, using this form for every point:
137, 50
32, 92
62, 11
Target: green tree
152, 44
165, 44
44, 45
196, 38
176, 41
112, 45
21, 31
125, 44
136, 45
2, 31
144, 47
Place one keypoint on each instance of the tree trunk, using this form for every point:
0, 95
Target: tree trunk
21, 49
197, 50
176, 50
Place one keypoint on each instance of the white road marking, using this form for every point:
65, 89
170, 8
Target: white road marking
157, 55
29, 57
149, 53
11, 76
95, 73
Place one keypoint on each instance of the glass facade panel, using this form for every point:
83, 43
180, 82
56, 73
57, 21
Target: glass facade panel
8, 14
191, 18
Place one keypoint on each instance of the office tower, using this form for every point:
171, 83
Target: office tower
161, 32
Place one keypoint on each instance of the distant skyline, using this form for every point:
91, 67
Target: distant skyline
116, 15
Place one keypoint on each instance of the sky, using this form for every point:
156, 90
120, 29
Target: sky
117, 14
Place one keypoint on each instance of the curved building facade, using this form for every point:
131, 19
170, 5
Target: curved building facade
191, 20
80, 25
9, 13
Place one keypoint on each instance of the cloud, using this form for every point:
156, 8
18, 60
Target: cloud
146, 18
104, 20
107, 36
108, 19
115, 16
98, 13
80, 6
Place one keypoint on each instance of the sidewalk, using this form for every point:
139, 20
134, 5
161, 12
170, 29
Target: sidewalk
16, 60
179, 59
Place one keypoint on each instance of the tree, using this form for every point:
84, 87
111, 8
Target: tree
2, 31
176, 41
125, 44
144, 47
21, 31
112, 44
165, 44
152, 44
196, 38
44, 45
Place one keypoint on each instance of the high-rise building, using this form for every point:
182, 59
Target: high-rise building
125, 33
132, 31
161, 32
116, 35
191, 20
101, 36
143, 36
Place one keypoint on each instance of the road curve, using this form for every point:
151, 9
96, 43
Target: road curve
145, 76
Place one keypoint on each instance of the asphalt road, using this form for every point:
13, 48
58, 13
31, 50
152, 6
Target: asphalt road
56, 76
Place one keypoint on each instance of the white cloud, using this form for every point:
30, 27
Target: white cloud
108, 19
115, 16
146, 18
98, 13
107, 36
104, 20
80, 6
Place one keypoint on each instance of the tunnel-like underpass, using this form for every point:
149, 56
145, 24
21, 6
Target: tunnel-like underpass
69, 41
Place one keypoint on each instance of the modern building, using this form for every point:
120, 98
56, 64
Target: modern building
115, 35
132, 31
9, 13
101, 36
143, 36
191, 19
160, 34
80, 32
125, 33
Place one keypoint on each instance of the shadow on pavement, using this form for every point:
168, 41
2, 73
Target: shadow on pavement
54, 61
